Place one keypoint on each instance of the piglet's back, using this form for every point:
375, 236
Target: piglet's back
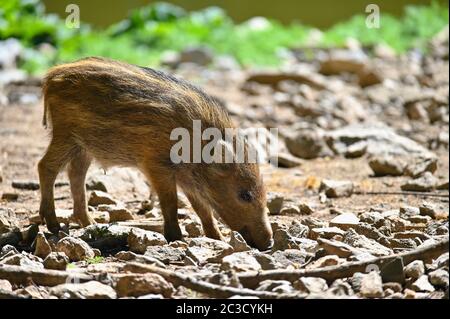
113, 107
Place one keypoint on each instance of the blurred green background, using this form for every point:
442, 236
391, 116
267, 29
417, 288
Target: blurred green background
319, 13
143, 32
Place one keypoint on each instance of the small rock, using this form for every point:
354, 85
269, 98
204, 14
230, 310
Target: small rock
387, 166
371, 285
43, 248
394, 286
193, 228
422, 165
133, 285
439, 278
311, 284
238, 242
75, 248
274, 203
326, 261
5, 285
10, 197
199, 55
325, 232
101, 198
139, 239
335, 189
340, 249
166, 253
26, 185
88, 290
308, 145
426, 183
22, 259
291, 257
290, 209
363, 243
408, 211
240, 262
279, 286
422, 285
117, 213
203, 250
344, 221
266, 261
428, 209
286, 160
298, 230
56, 261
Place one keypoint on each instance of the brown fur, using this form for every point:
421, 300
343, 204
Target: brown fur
121, 114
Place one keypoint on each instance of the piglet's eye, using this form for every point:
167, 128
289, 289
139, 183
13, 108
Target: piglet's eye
246, 196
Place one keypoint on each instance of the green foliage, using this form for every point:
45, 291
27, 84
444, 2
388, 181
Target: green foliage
413, 30
95, 260
149, 31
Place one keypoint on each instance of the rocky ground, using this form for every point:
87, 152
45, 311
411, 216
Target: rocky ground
359, 205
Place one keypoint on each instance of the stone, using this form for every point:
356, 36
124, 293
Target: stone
335, 189
266, 261
380, 140
26, 185
338, 248
298, 230
240, 262
136, 285
326, 261
409, 211
238, 242
422, 285
43, 248
426, 183
116, 213
22, 259
56, 261
75, 248
274, 202
283, 240
139, 239
166, 253
197, 55
193, 228
279, 286
88, 290
286, 160
10, 197
117, 181
325, 232
291, 257
428, 209
100, 198
5, 285
387, 166
371, 285
419, 166
290, 209
308, 145
340, 288
344, 221
207, 250
311, 284
372, 218
439, 278
365, 244
394, 286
